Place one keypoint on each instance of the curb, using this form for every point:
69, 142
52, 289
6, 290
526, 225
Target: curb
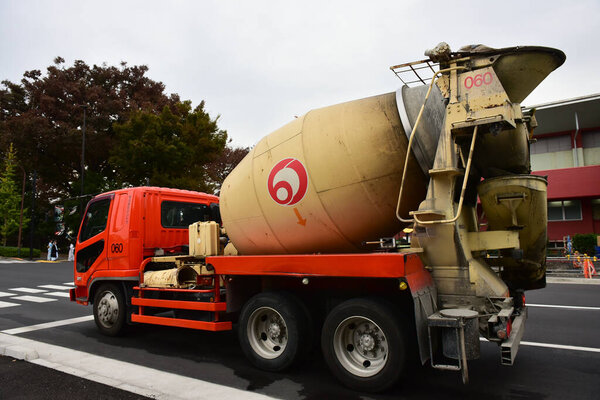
576, 281
19, 352
122, 375
37, 260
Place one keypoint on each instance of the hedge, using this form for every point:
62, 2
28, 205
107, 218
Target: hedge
14, 251
585, 244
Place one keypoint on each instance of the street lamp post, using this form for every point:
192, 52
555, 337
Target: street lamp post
32, 225
83, 152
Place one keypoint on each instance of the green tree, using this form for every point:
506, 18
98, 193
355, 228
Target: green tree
169, 149
218, 169
585, 243
10, 198
43, 116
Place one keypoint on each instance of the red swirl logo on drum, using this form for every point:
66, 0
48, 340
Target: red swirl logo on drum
288, 182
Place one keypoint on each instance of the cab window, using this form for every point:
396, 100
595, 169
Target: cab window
95, 219
175, 214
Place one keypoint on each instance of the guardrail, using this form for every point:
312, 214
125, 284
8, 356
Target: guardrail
573, 264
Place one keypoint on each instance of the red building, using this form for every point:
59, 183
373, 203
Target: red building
567, 151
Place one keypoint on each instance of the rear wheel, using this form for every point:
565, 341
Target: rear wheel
109, 309
274, 331
364, 344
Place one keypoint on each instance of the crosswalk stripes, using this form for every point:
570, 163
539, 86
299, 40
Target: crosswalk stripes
5, 304
55, 287
41, 294
58, 294
33, 299
28, 290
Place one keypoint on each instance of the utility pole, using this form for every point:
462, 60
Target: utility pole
32, 229
83, 155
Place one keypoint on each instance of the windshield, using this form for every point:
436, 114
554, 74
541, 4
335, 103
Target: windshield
95, 219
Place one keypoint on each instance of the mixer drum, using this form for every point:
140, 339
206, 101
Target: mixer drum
326, 182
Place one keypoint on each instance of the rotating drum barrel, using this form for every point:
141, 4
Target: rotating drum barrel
329, 180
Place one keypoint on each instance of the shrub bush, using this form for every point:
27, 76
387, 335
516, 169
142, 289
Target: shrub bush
14, 251
585, 244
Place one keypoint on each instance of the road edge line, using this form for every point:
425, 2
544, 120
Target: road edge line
141, 380
47, 325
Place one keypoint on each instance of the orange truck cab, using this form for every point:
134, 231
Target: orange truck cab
123, 227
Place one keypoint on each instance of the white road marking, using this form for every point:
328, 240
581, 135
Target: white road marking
4, 304
70, 284
58, 294
33, 299
146, 381
70, 321
553, 346
565, 307
4, 294
28, 290
55, 287
561, 346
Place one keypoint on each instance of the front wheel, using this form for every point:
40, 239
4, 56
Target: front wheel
274, 330
364, 345
109, 310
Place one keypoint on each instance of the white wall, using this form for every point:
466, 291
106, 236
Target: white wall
554, 160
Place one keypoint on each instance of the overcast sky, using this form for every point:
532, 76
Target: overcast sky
259, 63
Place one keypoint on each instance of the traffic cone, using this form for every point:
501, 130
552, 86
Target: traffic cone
592, 269
588, 269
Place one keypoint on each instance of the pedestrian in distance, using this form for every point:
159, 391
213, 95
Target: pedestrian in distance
49, 250
71, 252
53, 251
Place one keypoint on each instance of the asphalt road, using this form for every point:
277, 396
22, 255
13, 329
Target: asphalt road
570, 370
23, 380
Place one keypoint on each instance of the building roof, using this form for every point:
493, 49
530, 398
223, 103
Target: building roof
572, 183
559, 116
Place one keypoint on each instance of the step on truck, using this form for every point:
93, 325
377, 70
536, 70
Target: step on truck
390, 230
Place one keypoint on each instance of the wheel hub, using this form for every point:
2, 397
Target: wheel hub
274, 330
267, 332
108, 309
367, 342
360, 346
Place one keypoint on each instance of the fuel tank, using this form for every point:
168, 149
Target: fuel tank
329, 180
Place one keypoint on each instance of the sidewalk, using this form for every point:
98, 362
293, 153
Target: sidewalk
26, 259
578, 281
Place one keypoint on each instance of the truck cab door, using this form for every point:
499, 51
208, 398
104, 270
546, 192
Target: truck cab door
91, 248
118, 244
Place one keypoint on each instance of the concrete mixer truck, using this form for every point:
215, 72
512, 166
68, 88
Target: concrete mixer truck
302, 249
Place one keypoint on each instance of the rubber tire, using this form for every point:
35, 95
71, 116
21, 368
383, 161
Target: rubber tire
386, 317
298, 325
118, 327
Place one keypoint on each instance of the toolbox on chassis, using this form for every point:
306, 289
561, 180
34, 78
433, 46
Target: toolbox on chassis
288, 252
